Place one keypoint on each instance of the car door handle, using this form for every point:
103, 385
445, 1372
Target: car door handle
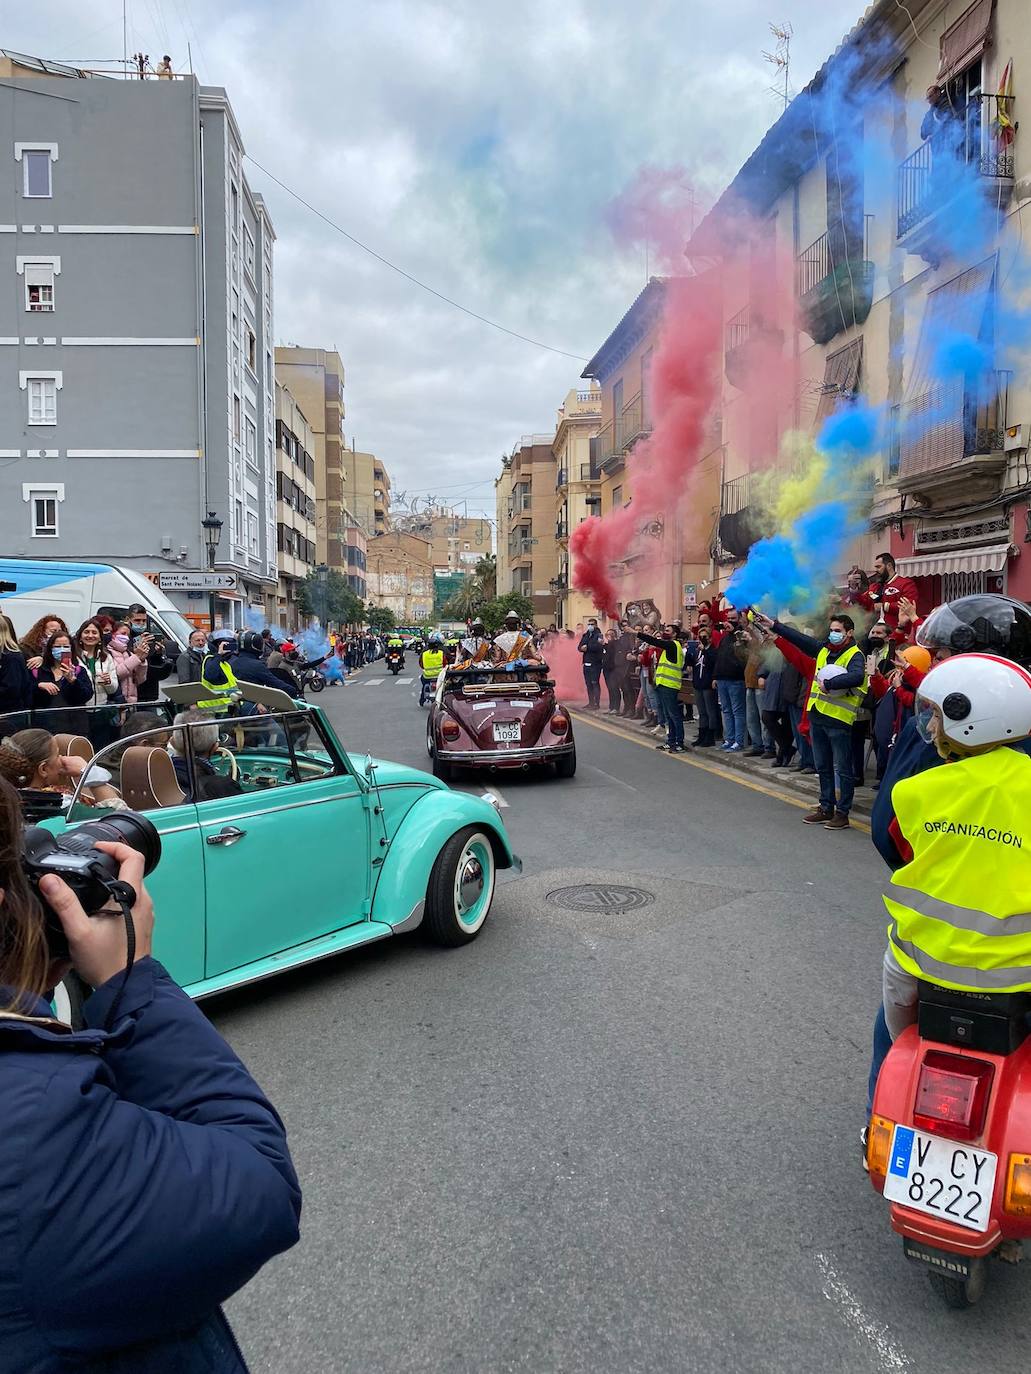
229, 834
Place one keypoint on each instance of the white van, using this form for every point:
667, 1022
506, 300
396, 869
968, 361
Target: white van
30, 588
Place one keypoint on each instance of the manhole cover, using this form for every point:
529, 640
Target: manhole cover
600, 897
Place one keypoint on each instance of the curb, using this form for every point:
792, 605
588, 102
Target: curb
781, 779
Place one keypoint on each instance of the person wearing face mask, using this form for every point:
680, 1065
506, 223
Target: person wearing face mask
590, 646
191, 660
702, 657
835, 700
130, 666
669, 677
61, 680
32, 643
150, 648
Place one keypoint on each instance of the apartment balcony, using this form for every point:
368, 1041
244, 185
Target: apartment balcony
834, 281
607, 455
951, 441
932, 181
588, 472
747, 339
741, 521
633, 424
560, 584
561, 529
561, 479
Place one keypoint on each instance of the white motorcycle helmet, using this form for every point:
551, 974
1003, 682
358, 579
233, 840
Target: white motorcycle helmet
974, 702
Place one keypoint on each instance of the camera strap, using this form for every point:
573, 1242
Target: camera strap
124, 896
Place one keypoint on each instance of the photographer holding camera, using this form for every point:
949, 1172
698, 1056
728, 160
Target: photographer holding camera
144, 1177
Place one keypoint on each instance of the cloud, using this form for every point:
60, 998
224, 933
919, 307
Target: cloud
478, 146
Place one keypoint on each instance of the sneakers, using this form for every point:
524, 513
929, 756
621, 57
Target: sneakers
735, 749
807, 770
665, 748
727, 745
817, 817
839, 821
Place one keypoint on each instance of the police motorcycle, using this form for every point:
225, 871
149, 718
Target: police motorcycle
395, 657
949, 1140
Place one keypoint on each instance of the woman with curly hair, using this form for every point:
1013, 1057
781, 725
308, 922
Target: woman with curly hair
33, 643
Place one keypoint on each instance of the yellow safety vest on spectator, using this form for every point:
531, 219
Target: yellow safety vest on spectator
221, 691
960, 908
432, 662
669, 674
843, 706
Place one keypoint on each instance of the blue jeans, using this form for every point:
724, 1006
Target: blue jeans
881, 1046
805, 753
832, 753
669, 701
592, 681
732, 704
708, 711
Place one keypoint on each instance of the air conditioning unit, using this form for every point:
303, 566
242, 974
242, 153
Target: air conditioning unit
1013, 438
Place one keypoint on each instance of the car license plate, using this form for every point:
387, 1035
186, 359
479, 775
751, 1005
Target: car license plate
507, 732
941, 1177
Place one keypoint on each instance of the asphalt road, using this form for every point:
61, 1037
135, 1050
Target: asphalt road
597, 1142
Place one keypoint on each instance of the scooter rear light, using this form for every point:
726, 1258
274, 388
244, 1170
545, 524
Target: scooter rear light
1018, 1186
558, 724
878, 1144
952, 1095
449, 729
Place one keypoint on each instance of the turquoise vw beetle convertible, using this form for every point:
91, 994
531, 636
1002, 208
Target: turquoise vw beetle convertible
278, 847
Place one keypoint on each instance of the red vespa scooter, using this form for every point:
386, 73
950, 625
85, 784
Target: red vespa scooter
949, 1142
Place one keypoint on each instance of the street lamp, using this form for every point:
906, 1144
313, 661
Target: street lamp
322, 578
212, 527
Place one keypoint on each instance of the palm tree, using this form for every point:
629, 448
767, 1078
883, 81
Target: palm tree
466, 601
486, 573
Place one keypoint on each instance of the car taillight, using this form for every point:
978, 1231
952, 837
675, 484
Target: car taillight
558, 725
449, 729
952, 1095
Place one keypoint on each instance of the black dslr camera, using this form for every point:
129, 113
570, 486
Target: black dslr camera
89, 872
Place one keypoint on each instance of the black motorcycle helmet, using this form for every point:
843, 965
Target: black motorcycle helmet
983, 623
251, 642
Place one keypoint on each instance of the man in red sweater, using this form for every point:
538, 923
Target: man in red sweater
887, 588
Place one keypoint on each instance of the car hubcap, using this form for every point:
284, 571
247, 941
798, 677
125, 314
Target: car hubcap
472, 882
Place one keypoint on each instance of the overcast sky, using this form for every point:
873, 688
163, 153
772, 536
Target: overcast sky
476, 144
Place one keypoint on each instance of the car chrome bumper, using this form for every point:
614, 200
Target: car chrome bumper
539, 754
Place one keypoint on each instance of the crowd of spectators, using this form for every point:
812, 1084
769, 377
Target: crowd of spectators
748, 682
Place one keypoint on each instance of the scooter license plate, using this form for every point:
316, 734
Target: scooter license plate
943, 1178
507, 732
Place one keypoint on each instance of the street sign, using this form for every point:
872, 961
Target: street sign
197, 582
690, 594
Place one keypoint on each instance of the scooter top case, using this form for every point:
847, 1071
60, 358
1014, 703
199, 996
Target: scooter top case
950, 1134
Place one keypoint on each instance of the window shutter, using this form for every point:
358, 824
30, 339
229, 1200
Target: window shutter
39, 274
964, 42
840, 379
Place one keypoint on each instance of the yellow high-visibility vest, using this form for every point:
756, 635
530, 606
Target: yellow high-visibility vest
843, 706
961, 908
432, 663
222, 692
669, 674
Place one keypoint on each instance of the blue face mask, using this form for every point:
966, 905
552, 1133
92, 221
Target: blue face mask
836, 637
60, 652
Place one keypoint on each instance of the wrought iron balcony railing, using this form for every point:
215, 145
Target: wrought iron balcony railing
980, 136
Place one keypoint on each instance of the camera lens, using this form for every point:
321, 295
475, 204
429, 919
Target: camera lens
124, 827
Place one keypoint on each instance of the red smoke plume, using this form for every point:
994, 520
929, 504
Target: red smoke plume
685, 386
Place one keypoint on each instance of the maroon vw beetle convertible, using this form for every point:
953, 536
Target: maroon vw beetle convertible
483, 717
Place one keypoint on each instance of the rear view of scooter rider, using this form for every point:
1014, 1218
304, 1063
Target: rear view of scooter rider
958, 905
431, 663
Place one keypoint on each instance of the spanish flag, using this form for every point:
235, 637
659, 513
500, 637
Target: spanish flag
1003, 123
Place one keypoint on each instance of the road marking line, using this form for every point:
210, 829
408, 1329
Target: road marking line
852, 1314
405, 681
496, 795
372, 682
715, 770
611, 777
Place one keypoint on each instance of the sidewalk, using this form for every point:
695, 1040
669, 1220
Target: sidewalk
805, 787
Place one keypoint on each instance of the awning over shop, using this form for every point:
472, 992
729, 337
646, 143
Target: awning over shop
229, 596
985, 560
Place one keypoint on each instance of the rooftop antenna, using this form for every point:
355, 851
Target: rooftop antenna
780, 60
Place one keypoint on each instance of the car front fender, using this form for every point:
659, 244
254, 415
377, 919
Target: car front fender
404, 874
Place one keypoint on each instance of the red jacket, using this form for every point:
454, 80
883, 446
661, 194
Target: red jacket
807, 667
885, 600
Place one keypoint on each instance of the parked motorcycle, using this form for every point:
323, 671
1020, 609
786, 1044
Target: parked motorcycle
949, 1141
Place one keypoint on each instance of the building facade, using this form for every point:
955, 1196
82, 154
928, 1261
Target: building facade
578, 492
529, 526
879, 262
126, 415
295, 506
315, 378
503, 507
400, 576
